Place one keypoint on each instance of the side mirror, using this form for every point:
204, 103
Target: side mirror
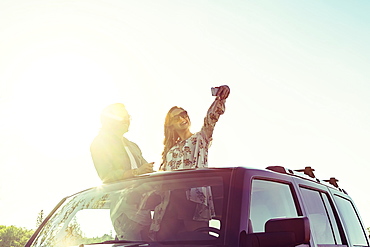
299, 226
279, 232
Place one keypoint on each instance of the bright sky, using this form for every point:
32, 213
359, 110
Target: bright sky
298, 73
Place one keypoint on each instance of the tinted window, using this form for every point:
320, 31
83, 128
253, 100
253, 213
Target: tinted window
323, 225
270, 200
351, 222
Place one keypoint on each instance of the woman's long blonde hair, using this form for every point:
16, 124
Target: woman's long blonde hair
170, 136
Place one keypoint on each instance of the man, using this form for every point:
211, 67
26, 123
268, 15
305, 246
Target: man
115, 157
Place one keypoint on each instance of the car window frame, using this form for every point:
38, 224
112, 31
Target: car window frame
287, 182
339, 230
358, 217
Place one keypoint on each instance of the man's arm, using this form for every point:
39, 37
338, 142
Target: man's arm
143, 166
103, 162
107, 172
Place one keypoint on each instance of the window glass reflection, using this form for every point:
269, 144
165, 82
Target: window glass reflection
270, 200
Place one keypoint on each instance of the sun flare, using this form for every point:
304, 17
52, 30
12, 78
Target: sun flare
58, 101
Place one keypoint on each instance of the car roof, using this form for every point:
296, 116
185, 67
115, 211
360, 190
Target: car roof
306, 173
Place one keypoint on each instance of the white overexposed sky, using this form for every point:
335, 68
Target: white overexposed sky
298, 73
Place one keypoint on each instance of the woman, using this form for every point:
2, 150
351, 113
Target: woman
185, 150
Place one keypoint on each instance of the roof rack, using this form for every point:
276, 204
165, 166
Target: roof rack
333, 181
308, 171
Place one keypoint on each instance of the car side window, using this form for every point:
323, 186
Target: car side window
270, 200
351, 222
322, 221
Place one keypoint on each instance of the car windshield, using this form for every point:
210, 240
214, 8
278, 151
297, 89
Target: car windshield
166, 208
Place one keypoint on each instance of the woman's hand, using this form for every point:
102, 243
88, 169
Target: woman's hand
223, 92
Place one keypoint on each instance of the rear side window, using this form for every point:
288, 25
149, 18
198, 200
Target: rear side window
270, 200
351, 221
322, 221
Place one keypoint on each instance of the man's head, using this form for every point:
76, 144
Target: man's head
116, 118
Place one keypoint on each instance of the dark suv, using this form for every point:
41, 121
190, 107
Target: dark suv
250, 207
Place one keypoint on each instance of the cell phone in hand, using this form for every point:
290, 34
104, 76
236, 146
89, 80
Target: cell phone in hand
214, 90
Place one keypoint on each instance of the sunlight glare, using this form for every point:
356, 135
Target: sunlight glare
59, 99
